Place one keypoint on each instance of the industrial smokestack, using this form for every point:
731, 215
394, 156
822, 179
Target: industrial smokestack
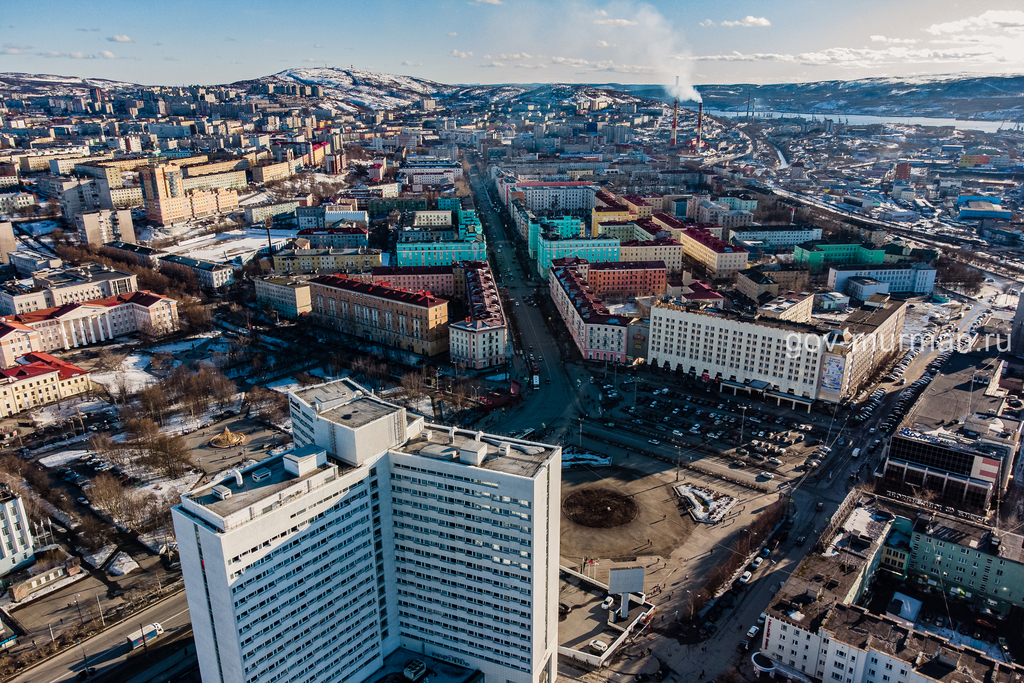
675, 119
700, 125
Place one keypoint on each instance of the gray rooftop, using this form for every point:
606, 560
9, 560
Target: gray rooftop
523, 458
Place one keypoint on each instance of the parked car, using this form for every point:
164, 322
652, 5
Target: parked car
746, 577
753, 631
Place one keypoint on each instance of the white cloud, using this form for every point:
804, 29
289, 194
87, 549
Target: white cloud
107, 54
601, 13
318, 46
120, 39
453, 33
531, 66
894, 41
845, 57
748, 20
460, 55
1006, 20
615, 22
707, 22
486, 2
603, 65
605, 43
517, 55
12, 49
493, 64
408, 63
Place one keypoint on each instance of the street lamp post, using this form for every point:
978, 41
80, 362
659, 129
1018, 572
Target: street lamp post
80, 618
85, 658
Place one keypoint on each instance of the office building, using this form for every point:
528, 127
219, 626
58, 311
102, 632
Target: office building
99, 227
814, 627
342, 237
551, 247
411, 321
438, 280
665, 249
58, 287
773, 237
597, 332
37, 379
479, 340
90, 322
209, 274
170, 198
818, 255
957, 440
316, 564
16, 550
902, 278
783, 360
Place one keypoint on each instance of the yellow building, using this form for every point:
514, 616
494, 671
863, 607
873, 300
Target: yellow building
326, 260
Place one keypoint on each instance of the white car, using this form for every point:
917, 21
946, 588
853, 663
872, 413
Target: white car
599, 645
761, 618
766, 475
757, 562
608, 602
653, 442
753, 631
746, 577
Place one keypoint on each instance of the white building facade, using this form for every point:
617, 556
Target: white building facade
916, 278
378, 531
15, 535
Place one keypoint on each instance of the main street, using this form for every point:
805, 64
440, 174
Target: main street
109, 648
555, 404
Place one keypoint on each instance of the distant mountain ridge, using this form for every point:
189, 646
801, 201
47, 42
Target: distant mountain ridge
356, 90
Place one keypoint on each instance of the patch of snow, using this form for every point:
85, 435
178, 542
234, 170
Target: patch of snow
133, 368
98, 557
159, 539
122, 564
62, 458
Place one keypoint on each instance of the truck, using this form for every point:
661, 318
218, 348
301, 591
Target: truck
535, 371
145, 634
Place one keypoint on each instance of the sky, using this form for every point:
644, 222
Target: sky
517, 41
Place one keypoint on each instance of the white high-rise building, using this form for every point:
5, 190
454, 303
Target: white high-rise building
378, 531
15, 537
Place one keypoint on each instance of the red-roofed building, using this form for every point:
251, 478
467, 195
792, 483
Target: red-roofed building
412, 321
91, 322
16, 340
624, 279
38, 379
719, 258
343, 237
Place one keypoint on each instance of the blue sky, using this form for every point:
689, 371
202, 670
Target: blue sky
503, 41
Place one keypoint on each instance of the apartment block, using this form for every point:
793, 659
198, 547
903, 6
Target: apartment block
665, 249
439, 280
717, 257
624, 279
298, 261
316, 564
597, 333
479, 340
288, 296
440, 251
768, 280
411, 321
551, 247
16, 550
99, 227
343, 237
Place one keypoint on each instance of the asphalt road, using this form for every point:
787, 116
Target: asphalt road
551, 404
109, 647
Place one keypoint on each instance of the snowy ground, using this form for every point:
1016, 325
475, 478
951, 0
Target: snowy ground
44, 227
184, 345
705, 505
133, 368
122, 564
98, 557
62, 458
164, 487
65, 409
227, 246
156, 540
